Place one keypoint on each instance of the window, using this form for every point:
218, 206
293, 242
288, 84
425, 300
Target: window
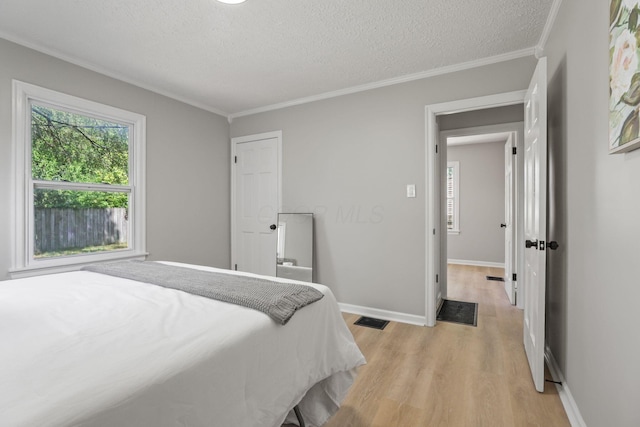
79, 182
453, 197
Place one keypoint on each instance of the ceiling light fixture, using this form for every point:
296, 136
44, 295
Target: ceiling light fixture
231, 1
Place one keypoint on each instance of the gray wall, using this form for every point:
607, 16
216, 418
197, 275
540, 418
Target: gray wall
349, 159
481, 203
594, 277
485, 117
187, 158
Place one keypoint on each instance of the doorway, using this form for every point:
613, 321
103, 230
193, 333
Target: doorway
482, 203
535, 207
436, 264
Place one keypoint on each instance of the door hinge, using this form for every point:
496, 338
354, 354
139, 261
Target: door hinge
434, 231
235, 159
235, 267
437, 278
514, 277
514, 150
436, 148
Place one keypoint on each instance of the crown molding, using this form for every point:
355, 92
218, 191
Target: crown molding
389, 82
533, 51
548, 26
84, 64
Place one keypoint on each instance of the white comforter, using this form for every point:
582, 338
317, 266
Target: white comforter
84, 349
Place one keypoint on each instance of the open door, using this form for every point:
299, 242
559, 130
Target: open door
509, 217
535, 221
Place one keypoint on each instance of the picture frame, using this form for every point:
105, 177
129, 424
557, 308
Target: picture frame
624, 76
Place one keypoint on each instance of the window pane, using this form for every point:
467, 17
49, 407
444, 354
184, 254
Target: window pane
70, 222
76, 148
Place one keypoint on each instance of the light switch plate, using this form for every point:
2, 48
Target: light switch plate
411, 190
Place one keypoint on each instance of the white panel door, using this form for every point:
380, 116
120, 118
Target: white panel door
509, 215
256, 197
535, 221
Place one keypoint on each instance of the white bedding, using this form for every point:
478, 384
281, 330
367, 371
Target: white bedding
85, 349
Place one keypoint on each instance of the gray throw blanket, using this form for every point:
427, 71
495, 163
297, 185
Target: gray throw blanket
279, 300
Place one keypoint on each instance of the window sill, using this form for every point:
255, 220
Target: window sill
453, 232
62, 265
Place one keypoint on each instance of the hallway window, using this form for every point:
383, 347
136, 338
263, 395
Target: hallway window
453, 197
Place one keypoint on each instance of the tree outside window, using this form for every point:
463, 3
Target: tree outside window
69, 149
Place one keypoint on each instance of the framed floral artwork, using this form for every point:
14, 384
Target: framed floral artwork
624, 76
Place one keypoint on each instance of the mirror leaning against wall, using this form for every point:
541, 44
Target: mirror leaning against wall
294, 253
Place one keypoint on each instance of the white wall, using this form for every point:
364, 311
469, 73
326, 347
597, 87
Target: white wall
481, 203
349, 159
187, 158
594, 277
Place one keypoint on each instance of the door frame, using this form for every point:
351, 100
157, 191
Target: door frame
234, 143
511, 211
432, 183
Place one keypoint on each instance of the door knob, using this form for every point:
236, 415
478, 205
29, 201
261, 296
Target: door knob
531, 244
553, 245
273, 226
503, 225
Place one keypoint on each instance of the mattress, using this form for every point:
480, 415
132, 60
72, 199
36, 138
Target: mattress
85, 349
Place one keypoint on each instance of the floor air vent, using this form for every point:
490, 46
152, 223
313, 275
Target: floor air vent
370, 322
465, 313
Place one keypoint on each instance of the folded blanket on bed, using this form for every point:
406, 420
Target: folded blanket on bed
279, 300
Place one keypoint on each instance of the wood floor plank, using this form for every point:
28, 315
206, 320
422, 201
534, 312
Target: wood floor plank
450, 375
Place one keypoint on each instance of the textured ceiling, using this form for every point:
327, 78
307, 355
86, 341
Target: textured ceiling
233, 58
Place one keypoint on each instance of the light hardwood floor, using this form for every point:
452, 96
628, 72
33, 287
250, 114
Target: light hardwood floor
450, 375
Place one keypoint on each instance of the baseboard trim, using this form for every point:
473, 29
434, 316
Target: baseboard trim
377, 313
570, 406
476, 263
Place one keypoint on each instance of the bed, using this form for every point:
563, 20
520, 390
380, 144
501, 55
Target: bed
88, 349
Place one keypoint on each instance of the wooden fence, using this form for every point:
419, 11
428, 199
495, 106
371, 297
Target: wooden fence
61, 229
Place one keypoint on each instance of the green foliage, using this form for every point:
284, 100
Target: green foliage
630, 128
614, 10
45, 198
69, 147
633, 19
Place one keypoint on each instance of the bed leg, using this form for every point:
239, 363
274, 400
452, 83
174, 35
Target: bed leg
298, 416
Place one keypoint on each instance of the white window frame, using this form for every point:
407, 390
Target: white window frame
456, 196
23, 261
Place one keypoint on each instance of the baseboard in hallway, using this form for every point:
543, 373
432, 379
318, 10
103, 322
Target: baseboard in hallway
476, 263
